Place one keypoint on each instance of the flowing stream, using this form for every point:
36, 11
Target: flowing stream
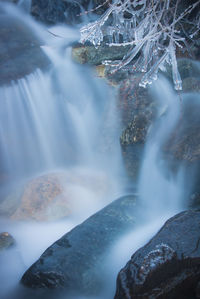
63, 122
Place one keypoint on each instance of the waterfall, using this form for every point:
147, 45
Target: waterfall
160, 192
61, 120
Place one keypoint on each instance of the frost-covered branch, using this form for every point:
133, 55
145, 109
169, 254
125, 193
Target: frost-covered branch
153, 28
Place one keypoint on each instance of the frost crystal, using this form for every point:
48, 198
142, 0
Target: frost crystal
152, 28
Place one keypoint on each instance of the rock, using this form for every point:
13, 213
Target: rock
42, 199
167, 266
75, 261
65, 11
50, 12
191, 84
95, 56
182, 148
6, 241
183, 143
18, 45
9, 1
188, 68
138, 110
53, 196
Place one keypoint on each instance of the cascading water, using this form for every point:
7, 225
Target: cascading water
56, 119
60, 122
159, 192
64, 122
160, 195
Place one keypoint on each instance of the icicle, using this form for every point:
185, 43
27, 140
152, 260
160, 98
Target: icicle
152, 73
175, 73
168, 1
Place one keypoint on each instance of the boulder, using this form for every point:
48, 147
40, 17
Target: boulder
56, 195
20, 51
6, 241
42, 199
168, 266
75, 262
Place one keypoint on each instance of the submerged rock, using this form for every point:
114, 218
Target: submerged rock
42, 199
168, 266
53, 196
6, 241
75, 261
20, 52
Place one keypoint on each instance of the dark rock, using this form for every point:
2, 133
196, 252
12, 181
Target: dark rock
65, 11
51, 12
168, 266
188, 68
191, 84
9, 1
184, 142
74, 262
138, 110
20, 52
6, 241
182, 148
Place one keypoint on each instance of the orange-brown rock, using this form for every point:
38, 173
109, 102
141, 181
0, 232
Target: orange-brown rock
52, 196
42, 199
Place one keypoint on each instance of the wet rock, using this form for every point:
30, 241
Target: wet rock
188, 68
6, 241
138, 110
64, 11
191, 84
51, 12
9, 1
182, 148
184, 141
167, 266
20, 52
95, 56
75, 261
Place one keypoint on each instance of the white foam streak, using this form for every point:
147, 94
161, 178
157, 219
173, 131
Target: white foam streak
160, 192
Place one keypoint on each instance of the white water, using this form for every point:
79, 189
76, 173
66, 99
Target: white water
159, 192
65, 121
